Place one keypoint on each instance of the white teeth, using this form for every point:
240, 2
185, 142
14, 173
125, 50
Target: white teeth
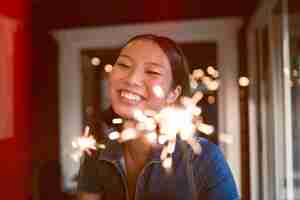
130, 96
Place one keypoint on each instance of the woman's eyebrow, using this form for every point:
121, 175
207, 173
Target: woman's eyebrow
125, 56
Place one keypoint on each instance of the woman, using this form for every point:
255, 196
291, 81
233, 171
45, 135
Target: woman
132, 170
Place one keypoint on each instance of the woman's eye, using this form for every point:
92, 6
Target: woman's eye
123, 65
154, 73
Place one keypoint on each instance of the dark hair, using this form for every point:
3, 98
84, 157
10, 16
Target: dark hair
178, 62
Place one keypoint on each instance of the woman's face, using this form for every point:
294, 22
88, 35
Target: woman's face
140, 67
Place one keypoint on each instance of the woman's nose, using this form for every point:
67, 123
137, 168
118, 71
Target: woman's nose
135, 77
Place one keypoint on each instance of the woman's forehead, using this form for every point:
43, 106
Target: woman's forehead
146, 50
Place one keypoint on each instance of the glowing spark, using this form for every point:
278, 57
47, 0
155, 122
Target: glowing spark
162, 139
150, 113
244, 81
197, 111
150, 124
114, 135
187, 131
152, 137
197, 97
204, 128
213, 85
195, 145
101, 146
171, 147
216, 74
167, 163
206, 80
83, 144
128, 134
210, 70
117, 121
158, 91
139, 116
108, 68
164, 153
95, 61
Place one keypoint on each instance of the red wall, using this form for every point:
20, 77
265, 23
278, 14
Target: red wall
15, 175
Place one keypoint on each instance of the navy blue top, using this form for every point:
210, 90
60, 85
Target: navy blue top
208, 173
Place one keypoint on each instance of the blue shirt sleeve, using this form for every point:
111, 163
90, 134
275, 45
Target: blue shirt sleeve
213, 175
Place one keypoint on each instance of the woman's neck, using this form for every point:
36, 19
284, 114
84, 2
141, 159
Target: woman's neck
137, 150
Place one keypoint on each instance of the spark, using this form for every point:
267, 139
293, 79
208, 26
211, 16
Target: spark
167, 163
204, 128
195, 145
171, 147
158, 91
128, 134
117, 121
213, 85
84, 143
244, 81
210, 70
114, 135
108, 68
95, 61
152, 137
139, 116
162, 139
164, 153
209, 80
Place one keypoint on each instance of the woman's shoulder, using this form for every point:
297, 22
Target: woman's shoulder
213, 171
208, 148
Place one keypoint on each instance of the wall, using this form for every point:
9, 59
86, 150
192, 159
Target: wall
15, 150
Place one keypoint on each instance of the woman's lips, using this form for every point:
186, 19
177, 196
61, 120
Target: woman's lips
130, 97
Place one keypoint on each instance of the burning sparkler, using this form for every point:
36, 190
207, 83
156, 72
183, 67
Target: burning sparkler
162, 126
85, 143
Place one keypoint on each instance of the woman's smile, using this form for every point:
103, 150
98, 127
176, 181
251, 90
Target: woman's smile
130, 97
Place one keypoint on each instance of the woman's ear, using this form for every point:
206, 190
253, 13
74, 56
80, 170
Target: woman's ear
173, 95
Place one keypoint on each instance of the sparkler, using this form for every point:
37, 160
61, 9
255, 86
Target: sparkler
85, 143
161, 127
209, 80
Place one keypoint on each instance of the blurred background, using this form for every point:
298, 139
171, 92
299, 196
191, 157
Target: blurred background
52, 55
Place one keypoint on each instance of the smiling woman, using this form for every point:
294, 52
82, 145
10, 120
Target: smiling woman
132, 170
135, 74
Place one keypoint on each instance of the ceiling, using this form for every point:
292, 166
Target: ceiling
77, 13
